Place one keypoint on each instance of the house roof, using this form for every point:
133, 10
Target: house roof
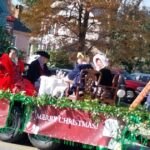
19, 26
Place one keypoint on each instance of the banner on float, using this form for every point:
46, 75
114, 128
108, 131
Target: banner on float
73, 125
4, 110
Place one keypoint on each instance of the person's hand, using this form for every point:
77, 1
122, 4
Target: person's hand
15, 89
18, 87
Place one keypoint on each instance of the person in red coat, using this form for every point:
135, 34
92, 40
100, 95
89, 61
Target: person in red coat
11, 69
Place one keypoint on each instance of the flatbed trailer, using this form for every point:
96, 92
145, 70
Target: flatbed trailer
50, 122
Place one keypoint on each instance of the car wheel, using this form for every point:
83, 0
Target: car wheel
11, 133
43, 143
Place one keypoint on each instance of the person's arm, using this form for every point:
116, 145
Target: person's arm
85, 66
47, 71
32, 72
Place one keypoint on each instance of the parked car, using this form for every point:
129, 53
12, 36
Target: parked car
141, 77
131, 85
144, 77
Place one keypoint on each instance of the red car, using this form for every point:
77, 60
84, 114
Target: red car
131, 86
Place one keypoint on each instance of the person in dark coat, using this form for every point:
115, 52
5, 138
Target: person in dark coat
38, 67
104, 73
75, 74
82, 63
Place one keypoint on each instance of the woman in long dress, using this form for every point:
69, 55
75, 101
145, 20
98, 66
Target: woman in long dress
11, 69
104, 74
101, 64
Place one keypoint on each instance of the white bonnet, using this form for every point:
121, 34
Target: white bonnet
103, 58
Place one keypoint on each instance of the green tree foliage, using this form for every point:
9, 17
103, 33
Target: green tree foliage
28, 2
59, 60
5, 39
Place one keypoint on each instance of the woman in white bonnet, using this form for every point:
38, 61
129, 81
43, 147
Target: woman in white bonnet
100, 61
101, 64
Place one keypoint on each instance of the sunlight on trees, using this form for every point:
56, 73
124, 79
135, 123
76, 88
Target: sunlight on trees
119, 28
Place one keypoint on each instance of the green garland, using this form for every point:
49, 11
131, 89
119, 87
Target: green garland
87, 105
136, 121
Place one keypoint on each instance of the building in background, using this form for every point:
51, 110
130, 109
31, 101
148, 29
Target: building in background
9, 19
21, 33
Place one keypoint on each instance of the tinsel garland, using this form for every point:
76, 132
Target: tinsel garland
87, 105
135, 120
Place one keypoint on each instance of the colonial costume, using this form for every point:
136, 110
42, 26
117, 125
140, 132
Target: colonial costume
37, 68
102, 69
75, 75
54, 85
11, 76
82, 63
39, 74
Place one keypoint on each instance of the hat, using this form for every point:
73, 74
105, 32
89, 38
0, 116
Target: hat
103, 59
11, 48
80, 55
43, 53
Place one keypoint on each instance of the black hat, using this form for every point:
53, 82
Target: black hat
43, 53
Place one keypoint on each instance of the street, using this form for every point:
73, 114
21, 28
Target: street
24, 144
12, 146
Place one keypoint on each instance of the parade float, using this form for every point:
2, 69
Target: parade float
87, 122
50, 121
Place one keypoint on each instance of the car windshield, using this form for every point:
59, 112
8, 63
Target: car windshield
128, 76
141, 77
145, 78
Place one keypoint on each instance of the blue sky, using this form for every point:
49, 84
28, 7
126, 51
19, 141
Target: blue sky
145, 2
15, 2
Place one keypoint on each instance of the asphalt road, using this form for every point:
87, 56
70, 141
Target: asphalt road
11, 146
24, 144
18, 146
